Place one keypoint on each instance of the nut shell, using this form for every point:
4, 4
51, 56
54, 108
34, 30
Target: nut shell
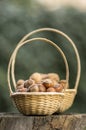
42, 88
48, 83
55, 82
44, 76
59, 88
51, 89
20, 82
21, 90
28, 83
64, 83
33, 88
54, 76
20, 86
36, 77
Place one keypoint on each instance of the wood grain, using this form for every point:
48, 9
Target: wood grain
54, 122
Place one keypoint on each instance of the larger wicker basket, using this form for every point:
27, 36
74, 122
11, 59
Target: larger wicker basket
43, 103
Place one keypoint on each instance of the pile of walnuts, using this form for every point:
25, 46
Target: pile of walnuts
38, 82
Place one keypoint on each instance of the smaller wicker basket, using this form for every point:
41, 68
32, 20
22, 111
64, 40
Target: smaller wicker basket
43, 103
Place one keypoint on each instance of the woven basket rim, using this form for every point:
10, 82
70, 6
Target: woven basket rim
71, 90
37, 93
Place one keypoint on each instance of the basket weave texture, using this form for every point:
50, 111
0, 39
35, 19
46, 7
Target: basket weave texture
43, 103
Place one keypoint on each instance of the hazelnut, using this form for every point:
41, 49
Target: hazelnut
64, 83
55, 82
21, 90
26, 84
36, 77
54, 76
33, 88
44, 76
42, 88
59, 88
57, 85
20, 86
20, 82
29, 82
51, 89
48, 83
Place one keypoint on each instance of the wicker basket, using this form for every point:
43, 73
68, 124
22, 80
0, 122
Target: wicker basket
43, 103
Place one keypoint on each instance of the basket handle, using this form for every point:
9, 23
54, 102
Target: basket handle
70, 41
13, 57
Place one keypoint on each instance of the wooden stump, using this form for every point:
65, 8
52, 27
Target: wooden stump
53, 122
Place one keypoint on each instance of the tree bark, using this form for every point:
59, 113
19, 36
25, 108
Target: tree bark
52, 122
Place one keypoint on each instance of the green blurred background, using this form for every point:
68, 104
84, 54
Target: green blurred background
17, 18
